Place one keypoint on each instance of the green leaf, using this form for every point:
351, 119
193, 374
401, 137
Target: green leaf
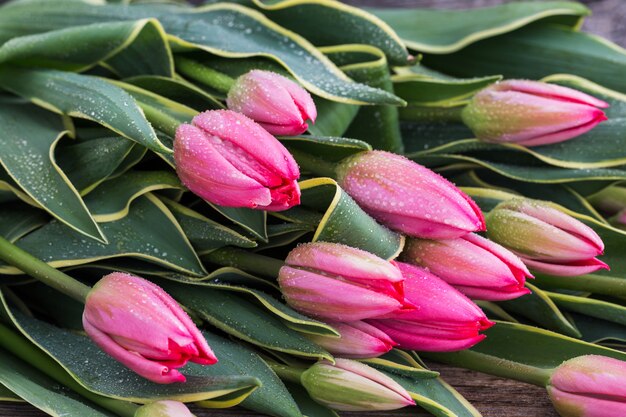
102, 374
335, 23
308, 405
148, 232
345, 222
377, 125
333, 118
252, 221
249, 34
591, 307
177, 90
402, 363
85, 97
111, 200
446, 31
129, 48
541, 309
272, 397
28, 141
598, 331
89, 162
19, 219
243, 319
538, 51
204, 234
332, 149
43, 392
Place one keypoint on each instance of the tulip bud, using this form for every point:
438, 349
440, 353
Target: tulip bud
141, 326
340, 283
353, 386
445, 320
164, 408
477, 267
546, 239
589, 386
278, 104
611, 200
531, 113
358, 340
227, 159
408, 197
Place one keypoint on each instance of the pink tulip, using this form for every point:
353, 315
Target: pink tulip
278, 104
340, 283
141, 326
164, 408
358, 340
589, 386
445, 320
474, 265
227, 159
408, 197
546, 239
531, 113
353, 386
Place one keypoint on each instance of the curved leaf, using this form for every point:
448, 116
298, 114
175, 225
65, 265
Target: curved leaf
130, 48
334, 23
28, 141
18, 219
591, 307
85, 97
177, 90
148, 232
446, 31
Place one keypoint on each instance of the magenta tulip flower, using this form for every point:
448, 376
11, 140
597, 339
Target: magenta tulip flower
353, 386
531, 113
278, 104
408, 197
478, 267
358, 340
589, 386
546, 239
445, 320
340, 283
141, 326
227, 159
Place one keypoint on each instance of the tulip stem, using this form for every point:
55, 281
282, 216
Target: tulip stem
36, 268
314, 164
287, 373
20, 347
204, 74
247, 261
493, 365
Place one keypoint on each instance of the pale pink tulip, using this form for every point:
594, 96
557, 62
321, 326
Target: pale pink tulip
227, 159
545, 238
275, 102
141, 326
531, 113
589, 386
358, 340
164, 408
340, 283
444, 319
478, 267
408, 197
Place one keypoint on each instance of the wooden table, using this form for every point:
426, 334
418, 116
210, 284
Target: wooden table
492, 396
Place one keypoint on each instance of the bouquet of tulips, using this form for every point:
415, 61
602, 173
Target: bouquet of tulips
285, 205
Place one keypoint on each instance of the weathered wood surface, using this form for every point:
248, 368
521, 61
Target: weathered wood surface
493, 397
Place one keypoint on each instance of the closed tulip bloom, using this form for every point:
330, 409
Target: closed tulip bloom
340, 283
531, 113
141, 326
589, 386
546, 239
478, 267
227, 159
358, 340
408, 197
353, 386
278, 104
444, 319
164, 408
